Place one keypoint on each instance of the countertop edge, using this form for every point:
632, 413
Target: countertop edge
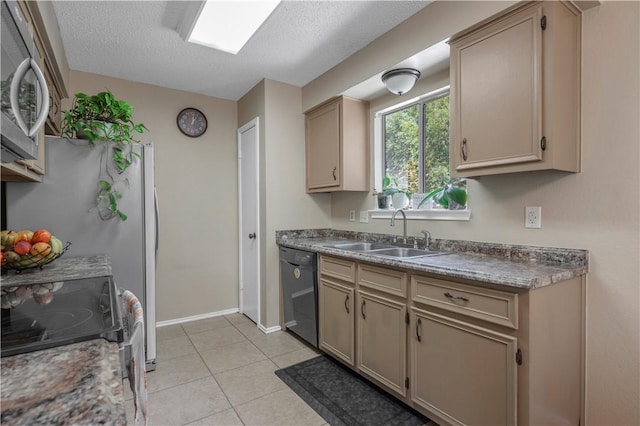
556, 265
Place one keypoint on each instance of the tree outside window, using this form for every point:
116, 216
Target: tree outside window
416, 145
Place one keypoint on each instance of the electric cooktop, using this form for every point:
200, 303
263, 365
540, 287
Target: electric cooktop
42, 316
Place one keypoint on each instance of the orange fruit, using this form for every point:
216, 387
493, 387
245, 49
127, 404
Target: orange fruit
40, 249
22, 247
41, 236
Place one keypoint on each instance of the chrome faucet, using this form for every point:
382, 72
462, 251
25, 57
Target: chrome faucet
404, 223
427, 238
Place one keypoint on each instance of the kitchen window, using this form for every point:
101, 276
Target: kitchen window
416, 144
412, 148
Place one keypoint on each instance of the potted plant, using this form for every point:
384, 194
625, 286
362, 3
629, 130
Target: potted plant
103, 118
452, 196
400, 197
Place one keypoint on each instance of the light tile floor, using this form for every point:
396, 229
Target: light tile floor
220, 371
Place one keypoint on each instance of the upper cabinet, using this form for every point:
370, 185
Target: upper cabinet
337, 155
515, 92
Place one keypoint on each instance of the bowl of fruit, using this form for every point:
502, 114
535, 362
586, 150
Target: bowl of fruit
29, 249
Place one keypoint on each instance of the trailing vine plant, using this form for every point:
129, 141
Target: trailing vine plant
102, 118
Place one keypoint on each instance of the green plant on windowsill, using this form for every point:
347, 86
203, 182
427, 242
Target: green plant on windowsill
390, 187
452, 196
103, 118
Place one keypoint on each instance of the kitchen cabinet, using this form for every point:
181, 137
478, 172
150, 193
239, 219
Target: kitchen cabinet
381, 325
459, 351
515, 92
464, 373
33, 170
486, 356
337, 153
336, 302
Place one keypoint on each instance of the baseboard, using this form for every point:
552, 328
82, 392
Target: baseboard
198, 317
211, 315
270, 329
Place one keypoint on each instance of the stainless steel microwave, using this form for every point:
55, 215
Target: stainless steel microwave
25, 97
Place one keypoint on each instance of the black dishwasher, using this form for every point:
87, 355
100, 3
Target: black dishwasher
298, 274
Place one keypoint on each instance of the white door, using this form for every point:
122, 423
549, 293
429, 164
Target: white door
249, 213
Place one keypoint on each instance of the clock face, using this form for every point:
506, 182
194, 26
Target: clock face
192, 122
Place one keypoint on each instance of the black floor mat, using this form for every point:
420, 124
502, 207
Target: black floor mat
342, 397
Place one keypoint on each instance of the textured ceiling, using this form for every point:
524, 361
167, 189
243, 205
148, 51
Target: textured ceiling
138, 41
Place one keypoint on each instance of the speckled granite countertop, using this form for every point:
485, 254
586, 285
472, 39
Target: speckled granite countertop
514, 266
64, 268
74, 384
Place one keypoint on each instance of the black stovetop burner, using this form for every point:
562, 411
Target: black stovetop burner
53, 314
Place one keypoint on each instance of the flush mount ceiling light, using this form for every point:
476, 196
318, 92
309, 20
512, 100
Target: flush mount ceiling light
225, 25
400, 80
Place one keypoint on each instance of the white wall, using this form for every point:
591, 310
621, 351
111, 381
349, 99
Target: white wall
597, 209
196, 179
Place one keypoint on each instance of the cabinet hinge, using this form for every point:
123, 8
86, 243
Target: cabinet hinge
543, 143
519, 357
406, 317
543, 22
406, 382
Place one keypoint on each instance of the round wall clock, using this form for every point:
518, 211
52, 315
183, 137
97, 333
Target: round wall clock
192, 122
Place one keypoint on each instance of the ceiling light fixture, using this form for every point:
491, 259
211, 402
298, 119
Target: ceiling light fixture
225, 25
400, 80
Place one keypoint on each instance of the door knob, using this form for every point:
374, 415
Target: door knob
252, 236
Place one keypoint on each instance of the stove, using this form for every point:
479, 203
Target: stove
42, 316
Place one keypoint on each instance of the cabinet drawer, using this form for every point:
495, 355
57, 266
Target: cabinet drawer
386, 280
494, 306
338, 268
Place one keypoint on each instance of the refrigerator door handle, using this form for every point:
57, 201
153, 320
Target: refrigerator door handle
157, 213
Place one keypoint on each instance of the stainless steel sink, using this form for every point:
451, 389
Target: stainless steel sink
404, 252
361, 246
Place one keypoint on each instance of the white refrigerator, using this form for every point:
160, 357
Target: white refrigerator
65, 204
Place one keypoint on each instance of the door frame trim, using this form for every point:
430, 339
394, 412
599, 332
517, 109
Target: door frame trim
242, 129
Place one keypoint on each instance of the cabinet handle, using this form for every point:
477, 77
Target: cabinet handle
418, 326
452, 297
346, 303
334, 173
463, 148
364, 316
252, 236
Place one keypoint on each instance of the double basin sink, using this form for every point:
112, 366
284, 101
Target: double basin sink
385, 250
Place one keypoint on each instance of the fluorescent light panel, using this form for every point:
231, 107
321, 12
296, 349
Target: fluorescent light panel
228, 25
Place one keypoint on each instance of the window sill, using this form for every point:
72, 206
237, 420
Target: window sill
434, 214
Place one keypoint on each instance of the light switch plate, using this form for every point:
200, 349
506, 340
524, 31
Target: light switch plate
364, 216
533, 217
352, 215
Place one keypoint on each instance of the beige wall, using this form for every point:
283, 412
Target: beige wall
196, 181
597, 210
283, 202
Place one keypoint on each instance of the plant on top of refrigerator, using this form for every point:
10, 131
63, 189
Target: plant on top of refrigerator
103, 118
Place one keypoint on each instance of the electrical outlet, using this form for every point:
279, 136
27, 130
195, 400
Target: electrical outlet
364, 216
533, 217
352, 215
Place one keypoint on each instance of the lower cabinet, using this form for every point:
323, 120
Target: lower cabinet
336, 321
382, 339
462, 353
464, 373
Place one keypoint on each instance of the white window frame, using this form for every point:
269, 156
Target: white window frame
378, 166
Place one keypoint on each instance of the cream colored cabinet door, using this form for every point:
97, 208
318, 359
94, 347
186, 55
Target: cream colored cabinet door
323, 147
337, 146
498, 91
336, 320
464, 373
515, 93
382, 340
